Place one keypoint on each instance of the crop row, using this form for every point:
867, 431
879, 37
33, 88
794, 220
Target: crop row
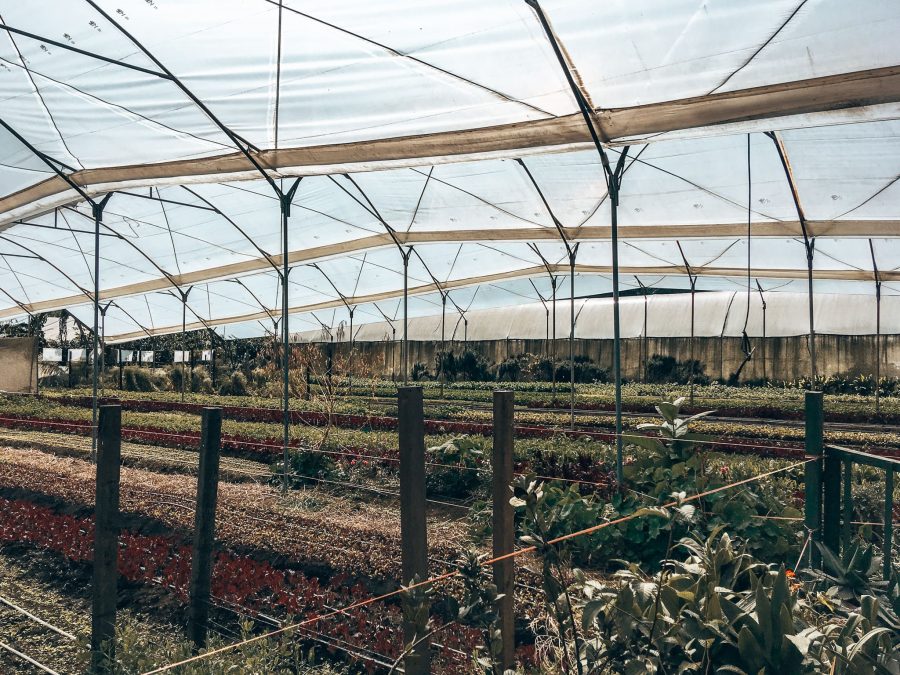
269, 446
763, 402
238, 580
530, 424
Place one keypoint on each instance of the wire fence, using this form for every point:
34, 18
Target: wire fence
448, 575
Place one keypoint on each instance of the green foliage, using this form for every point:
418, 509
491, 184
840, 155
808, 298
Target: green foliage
234, 385
139, 650
478, 609
305, 466
141, 379
461, 476
415, 602
514, 368
676, 461
586, 371
844, 581
666, 369
719, 610
862, 385
176, 375
467, 365
420, 372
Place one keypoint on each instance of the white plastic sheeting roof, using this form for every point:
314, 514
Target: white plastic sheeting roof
416, 121
718, 314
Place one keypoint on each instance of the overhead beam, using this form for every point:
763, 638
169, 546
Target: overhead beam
800, 97
527, 272
780, 229
567, 132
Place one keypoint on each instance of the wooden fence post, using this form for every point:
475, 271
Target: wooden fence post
106, 540
813, 472
503, 522
204, 525
413, 534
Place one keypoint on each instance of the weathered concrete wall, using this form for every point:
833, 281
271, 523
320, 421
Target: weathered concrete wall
785, 358
18, 364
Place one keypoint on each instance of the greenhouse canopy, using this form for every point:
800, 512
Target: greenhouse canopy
752, 143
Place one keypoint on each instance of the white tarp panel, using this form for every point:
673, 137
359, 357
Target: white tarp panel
154, 99
717, 314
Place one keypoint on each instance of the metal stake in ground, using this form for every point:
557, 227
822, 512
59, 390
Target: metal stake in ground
204, 524
414, 541
106, 540
503, 523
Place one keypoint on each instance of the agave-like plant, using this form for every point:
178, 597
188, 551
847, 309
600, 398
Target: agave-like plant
856, 574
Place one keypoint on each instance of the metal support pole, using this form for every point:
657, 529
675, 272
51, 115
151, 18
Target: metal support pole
877, 348
644, 356
413, 533
443, 327
285, 199
765, 346
212, 361
204, 525
350, 356
809, 243
691, 376
503, 522
106, 540
572, 336
813, 471
184, 297
404, 354
693, 280
810, 250
553, 281
614, 179
97, 209
547, 338
762, 299
877, 327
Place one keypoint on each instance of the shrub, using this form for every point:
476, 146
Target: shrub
510, 370
138, 379
176, 377
235, 385
467, 366
305, 466
420, 372
201, 381
586, 371
458, 478
666, 369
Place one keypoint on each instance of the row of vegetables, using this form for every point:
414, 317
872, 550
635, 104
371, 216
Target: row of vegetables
783, 403
239, 581
254, 425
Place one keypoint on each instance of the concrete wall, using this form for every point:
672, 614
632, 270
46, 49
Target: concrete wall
785, 358
18, 364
